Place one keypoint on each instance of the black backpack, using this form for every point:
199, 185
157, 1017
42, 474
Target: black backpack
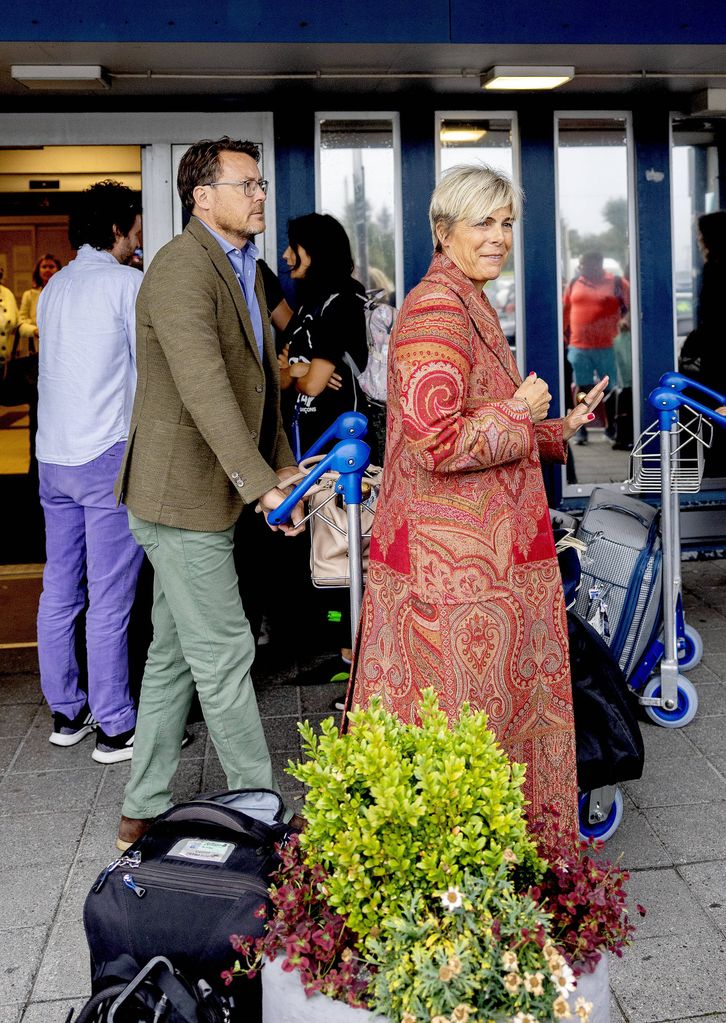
607, 734
198, 875
123, 993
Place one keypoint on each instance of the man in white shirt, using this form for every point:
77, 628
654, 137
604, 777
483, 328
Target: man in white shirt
87, 378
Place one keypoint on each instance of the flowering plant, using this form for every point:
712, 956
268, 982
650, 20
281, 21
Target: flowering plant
484, 953
585, 898
311, 936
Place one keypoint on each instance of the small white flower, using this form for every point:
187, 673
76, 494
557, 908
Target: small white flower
451, 899
524, 1017
583, 1009
564, 979
510, 963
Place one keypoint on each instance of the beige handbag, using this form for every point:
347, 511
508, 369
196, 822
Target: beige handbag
329, 523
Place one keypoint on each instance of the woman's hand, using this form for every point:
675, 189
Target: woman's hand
583, 412
537, 395
282, 358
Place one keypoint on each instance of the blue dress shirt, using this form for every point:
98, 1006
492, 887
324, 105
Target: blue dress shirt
244, 263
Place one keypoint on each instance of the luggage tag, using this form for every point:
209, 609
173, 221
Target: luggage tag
201, 850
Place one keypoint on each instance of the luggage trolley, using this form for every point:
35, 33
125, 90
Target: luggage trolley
349, 458
668, 459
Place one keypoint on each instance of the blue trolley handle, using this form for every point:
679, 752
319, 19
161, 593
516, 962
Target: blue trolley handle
349, 458
668, 396
348, 426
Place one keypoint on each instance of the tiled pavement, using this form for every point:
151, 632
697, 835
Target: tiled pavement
59, 810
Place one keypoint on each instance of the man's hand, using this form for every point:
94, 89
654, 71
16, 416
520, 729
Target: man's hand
286, 473
271, 500
583, 413
537, 395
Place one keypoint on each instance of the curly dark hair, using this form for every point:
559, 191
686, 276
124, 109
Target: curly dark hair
200, 164
99, 209
36, 269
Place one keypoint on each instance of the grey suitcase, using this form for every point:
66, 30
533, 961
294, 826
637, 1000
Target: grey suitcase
621, 591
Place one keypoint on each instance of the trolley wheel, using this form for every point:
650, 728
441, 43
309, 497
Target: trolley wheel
604, 829
692, 652
683, 714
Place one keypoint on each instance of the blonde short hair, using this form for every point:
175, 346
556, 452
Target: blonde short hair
471, 193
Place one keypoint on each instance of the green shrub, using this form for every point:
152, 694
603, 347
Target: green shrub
395, 810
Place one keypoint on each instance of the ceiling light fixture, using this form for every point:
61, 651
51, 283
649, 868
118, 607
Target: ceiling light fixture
458, 133
507, 78
65, 77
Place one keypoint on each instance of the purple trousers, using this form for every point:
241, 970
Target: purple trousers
89, 550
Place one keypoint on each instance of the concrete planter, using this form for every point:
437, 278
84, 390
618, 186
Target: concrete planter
284, 999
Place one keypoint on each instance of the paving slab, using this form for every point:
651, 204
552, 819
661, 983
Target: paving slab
677, 782
274, 700
665, 744
281, 733
9, 745
65, 967
40, 755
30, 894
12, 1013
99, 836
691, 833
20, 954
48, 790
22, 688
671, 978
636, 843
707, 882
16, 718
708, 734
52, 1011
672, 907
29, 839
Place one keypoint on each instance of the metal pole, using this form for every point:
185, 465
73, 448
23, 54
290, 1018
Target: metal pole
669, 498
355, 563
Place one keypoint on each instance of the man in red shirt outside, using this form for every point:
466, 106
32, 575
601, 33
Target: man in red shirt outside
595, 303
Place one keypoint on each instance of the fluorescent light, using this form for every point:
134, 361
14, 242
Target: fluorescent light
61, 76
513, 78
461, 133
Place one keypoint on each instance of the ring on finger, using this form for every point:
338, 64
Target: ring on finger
585, 402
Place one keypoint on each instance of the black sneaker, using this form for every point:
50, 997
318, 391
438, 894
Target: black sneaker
67, 731
112, 749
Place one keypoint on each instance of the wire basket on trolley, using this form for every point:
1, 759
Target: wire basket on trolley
691, 436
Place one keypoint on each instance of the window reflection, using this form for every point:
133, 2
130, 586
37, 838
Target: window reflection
699, 267
468, 139
357, 183
592, 172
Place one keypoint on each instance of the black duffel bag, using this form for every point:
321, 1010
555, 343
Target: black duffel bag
607, 734
198, 875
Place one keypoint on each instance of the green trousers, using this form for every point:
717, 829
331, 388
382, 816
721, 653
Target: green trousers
201, 640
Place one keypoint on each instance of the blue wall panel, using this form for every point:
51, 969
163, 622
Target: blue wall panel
294, 178
651, 131
541, 274
228, 21
418, 180
564, 21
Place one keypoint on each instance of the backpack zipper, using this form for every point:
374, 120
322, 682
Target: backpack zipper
227, 886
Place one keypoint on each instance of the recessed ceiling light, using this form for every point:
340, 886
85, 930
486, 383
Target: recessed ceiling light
509, 78
61, 76
461, 133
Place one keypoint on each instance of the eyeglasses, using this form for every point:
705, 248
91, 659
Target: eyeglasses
249, 186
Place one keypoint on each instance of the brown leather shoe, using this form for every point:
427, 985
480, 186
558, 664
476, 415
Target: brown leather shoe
131, 829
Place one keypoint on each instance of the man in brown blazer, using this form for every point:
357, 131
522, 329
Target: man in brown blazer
205, 440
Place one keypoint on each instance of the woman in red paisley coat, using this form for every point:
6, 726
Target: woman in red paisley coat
463, 590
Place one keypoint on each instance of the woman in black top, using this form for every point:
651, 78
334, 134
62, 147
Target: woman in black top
327, 334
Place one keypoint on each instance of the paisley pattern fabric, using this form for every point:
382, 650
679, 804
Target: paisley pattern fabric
463, 590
